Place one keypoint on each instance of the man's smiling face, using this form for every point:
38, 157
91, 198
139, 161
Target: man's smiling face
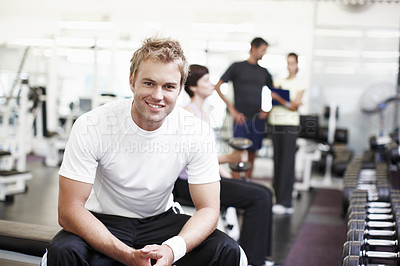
156, 89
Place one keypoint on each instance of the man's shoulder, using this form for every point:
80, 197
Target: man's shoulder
106, 111
239, 63
263, 69
245, 65
236, 68
115, 105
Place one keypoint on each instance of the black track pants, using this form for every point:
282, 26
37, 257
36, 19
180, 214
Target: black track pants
69, 249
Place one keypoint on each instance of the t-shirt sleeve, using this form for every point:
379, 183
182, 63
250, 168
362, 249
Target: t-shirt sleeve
228, 75
300, 86
80, 156
203, 165
269, 82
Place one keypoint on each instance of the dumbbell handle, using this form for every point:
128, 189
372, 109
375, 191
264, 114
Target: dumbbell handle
373, 204
379, 232
376, 216
379, 254
366, 180
365, 224
380, 224
240, 143
380, 242
373, 210
367, 187
372, 216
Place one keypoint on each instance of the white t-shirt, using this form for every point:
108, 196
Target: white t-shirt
280, 115
132, 170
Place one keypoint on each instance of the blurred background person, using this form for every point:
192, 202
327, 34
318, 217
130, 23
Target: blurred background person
248, 79
284, 121
253, 199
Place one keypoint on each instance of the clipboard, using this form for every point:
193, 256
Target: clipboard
283, 93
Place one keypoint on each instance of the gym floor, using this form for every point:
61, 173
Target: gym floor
39, 206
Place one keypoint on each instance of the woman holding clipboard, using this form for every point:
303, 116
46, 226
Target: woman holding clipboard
284, 120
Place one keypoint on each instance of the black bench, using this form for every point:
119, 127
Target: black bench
30, 239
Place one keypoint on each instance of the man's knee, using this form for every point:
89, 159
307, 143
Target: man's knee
66, 248
227, 247
218, 249
263, 196
267, 194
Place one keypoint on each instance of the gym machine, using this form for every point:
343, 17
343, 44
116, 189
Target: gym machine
229, 216
14, 144
12, 181
324, 153
394, 156
383, 147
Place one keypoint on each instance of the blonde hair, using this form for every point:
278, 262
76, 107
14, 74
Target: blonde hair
163, 50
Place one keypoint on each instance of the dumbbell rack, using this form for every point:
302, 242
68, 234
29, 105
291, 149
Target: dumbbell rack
372, 211
359, 177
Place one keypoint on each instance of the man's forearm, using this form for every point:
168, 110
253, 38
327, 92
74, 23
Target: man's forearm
81, 222
199, 227
218, 89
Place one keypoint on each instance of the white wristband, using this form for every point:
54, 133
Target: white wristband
178, 246
288, 105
